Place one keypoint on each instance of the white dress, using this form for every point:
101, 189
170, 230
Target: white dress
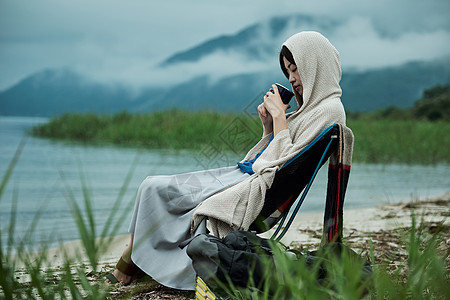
161, 221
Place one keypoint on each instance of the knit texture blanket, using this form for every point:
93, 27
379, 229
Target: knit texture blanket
318, 64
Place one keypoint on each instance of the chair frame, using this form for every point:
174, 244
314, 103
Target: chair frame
299, 173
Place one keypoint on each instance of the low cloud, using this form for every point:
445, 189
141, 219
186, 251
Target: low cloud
123, 42
361, 46
143, 74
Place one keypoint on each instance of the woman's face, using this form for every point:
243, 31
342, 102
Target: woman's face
294, 77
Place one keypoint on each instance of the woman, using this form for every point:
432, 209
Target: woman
170, 209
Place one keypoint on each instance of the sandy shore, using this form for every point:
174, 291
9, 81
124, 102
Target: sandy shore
379, 224
372, 219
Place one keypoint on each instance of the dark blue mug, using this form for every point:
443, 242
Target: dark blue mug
285, 93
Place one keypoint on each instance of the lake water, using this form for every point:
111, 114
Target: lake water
48, 171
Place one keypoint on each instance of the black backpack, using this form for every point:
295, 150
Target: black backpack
242, 258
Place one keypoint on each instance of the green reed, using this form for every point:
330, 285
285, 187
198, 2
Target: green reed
70, 281
377, 140
172, 129
400, 141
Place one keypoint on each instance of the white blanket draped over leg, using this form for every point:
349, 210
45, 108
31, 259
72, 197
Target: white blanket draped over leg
161, 221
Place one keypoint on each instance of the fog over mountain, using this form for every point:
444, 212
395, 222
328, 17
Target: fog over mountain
362, 43
229, 71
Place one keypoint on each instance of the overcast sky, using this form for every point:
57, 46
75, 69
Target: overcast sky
108, 36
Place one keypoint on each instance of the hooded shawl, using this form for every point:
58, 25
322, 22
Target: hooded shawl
319, 68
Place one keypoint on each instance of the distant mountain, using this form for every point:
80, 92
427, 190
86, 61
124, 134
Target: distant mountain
397, 86
362, 91
257, 42
55, 91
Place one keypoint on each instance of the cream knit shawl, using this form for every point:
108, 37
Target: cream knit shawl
319, 68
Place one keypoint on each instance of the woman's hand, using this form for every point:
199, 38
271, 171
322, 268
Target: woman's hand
266, 119
273, 103
272, 112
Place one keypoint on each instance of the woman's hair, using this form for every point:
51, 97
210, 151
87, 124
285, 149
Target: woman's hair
286, 53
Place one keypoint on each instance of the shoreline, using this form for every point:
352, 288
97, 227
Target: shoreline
383, 226
367, 219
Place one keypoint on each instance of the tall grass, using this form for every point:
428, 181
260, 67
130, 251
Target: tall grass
71, 281
377, 140
173, 129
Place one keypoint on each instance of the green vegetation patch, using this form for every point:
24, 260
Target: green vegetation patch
172, 129
407, 141
376, 140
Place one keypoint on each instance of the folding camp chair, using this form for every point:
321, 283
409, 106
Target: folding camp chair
294, 177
